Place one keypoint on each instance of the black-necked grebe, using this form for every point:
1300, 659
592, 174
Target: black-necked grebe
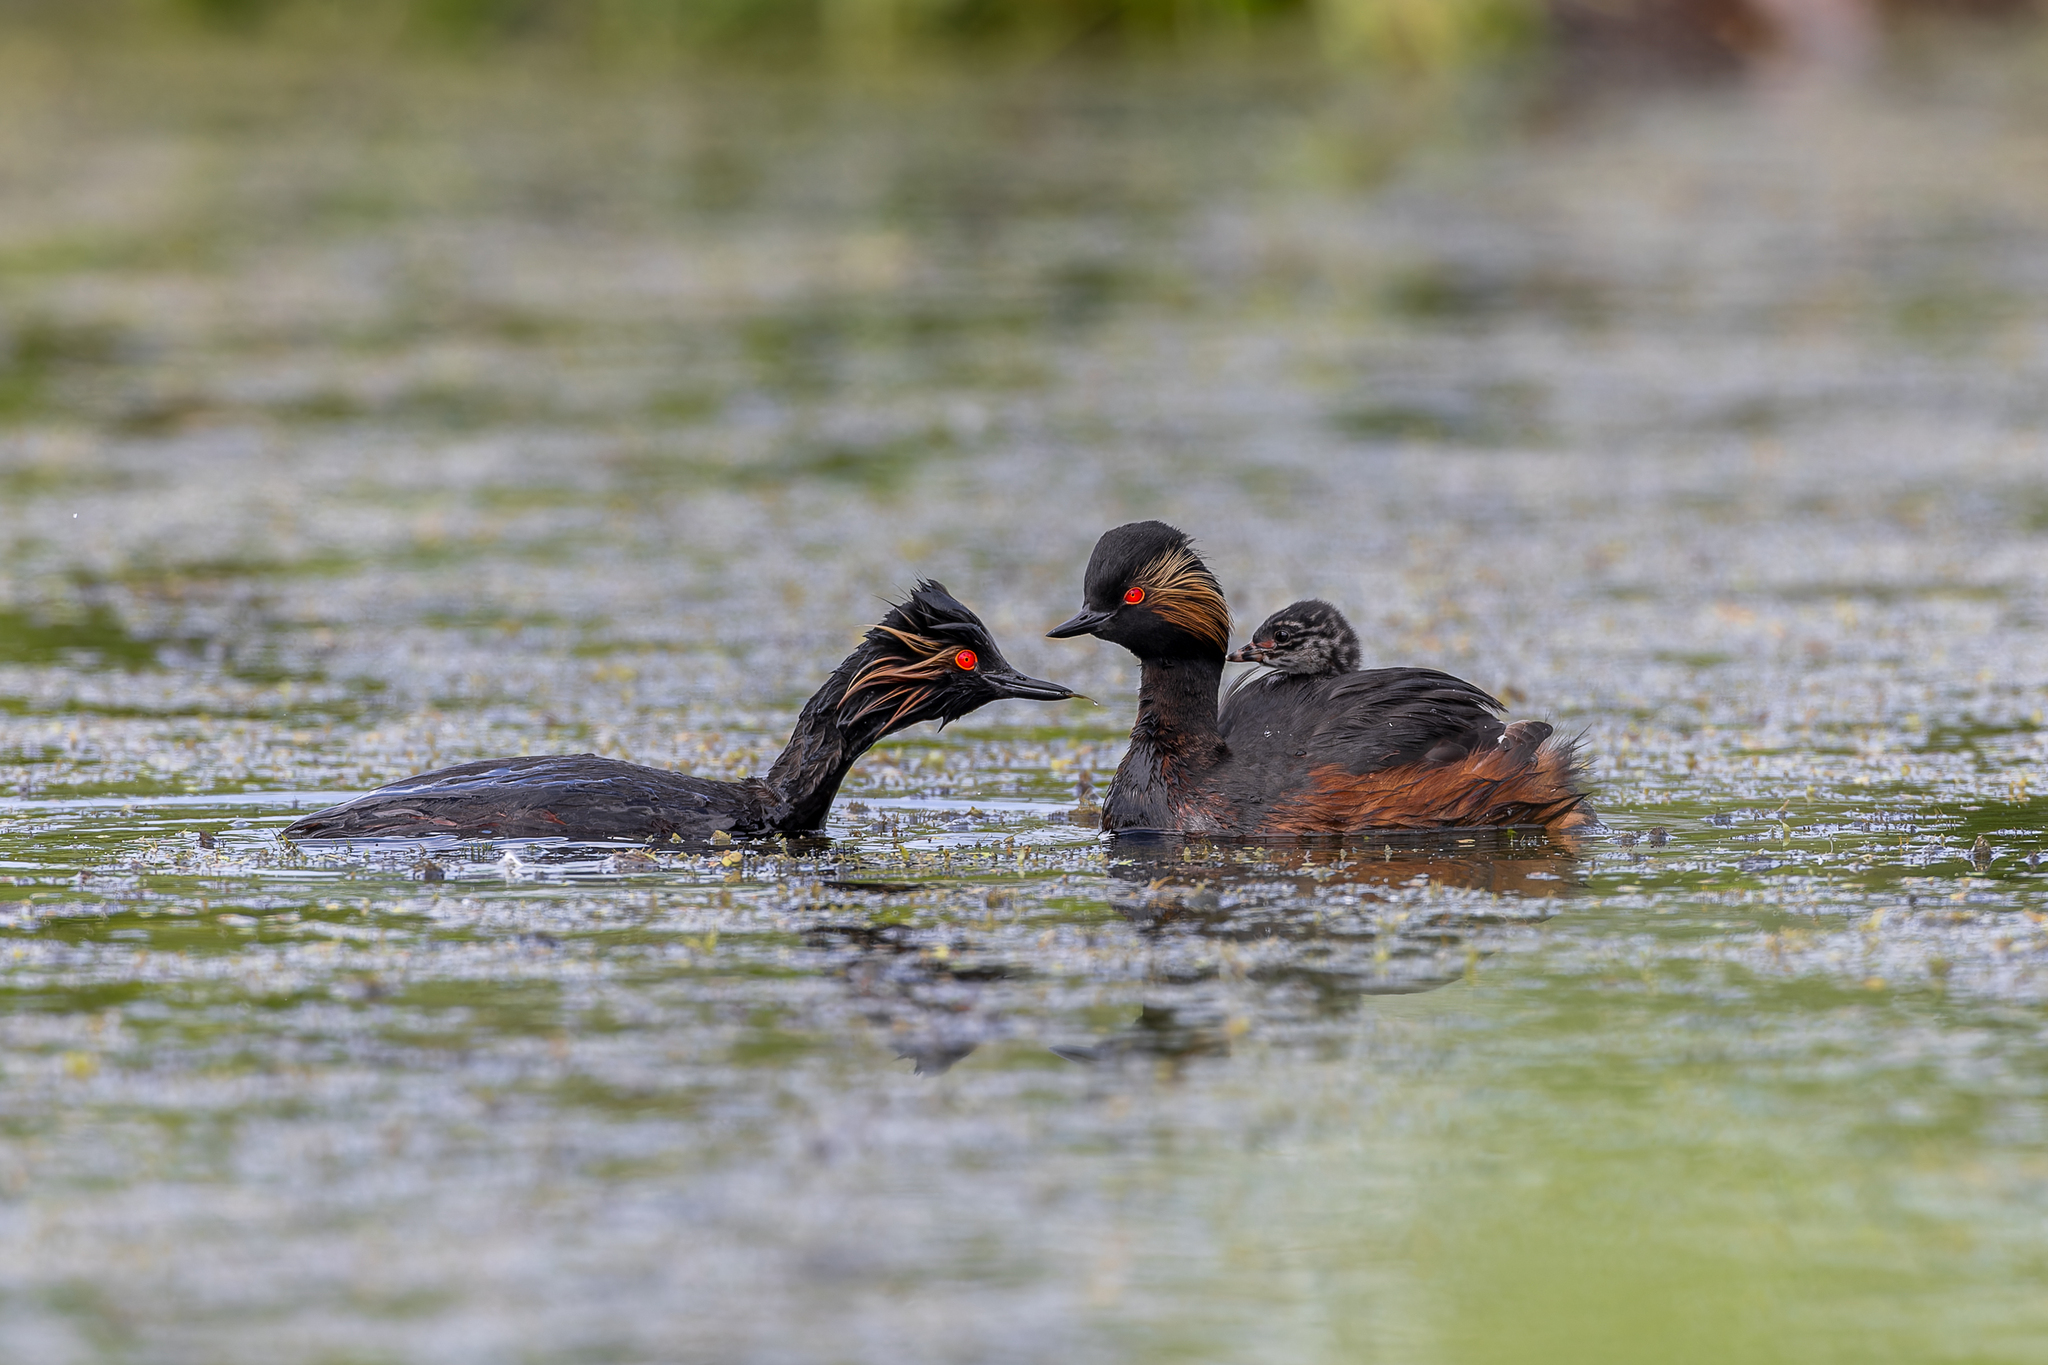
1307, 639
1387, 748
930, 658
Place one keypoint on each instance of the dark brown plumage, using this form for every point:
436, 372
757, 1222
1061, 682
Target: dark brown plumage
1299, 753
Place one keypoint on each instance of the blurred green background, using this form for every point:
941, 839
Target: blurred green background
1423, 33
387, 384
1407, 35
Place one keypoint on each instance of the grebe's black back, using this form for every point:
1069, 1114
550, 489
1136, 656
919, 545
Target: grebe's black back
930, 658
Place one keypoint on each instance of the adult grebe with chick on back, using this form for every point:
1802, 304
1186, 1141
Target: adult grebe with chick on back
1325, 752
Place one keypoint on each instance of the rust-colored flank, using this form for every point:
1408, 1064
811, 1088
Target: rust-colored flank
1492, 788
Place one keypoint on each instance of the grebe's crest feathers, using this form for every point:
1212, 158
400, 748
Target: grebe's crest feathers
931, 610
931, 658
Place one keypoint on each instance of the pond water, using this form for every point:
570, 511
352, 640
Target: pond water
358, 422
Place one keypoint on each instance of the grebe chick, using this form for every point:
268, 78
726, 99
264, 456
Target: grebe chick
1386, 748
930, 658
1305, 639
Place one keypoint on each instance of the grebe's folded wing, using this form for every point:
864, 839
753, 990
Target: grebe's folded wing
1361, 722
572, 796
1385, 717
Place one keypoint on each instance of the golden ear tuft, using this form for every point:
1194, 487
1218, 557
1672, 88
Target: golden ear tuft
1182, 590
907, 682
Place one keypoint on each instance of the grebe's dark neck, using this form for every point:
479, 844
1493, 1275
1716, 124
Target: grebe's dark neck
1177, 699
1173, 746
825, 745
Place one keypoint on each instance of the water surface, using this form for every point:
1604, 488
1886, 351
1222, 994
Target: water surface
357, 423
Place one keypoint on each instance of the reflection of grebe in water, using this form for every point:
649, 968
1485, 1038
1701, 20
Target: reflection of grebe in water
1331, 922
1175, 877
1317, 928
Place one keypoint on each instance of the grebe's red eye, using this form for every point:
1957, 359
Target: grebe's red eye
1135, 596
965, 658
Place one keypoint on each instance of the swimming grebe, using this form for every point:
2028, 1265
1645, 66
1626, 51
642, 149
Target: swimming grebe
930, 658
1387, 748
1309, 638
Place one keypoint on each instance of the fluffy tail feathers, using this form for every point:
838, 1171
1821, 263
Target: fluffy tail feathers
1530, 777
